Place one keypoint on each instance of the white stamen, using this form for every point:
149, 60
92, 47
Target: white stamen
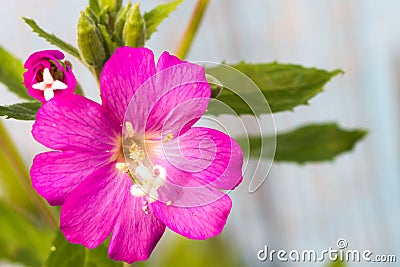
48, 94
144, 173
58, 85
137, 191
136, 153
47, 78
151, 180
169, 203
39, 86
168, 138
122, 167
49, 85
129, 128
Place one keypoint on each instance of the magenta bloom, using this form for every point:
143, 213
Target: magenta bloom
47, 76
135, 164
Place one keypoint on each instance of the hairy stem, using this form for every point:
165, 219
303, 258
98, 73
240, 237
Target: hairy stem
191, 30
22, 175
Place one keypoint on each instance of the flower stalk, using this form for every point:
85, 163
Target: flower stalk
191, 30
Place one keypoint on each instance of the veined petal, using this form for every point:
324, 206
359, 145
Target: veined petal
55, 174
43, 55
199, 222
167, 60
206, 155
90, 211
170, 102
75, 123
126, 70
136, 231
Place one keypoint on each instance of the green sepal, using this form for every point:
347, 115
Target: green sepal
90, 41
120, 22
134, 31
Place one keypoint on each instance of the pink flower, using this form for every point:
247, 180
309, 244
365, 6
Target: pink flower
144, 125
47, 76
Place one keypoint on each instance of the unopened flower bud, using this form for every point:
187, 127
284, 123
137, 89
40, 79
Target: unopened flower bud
215, 85
112, 5
90, 41
134, 32
47, 76
120, 20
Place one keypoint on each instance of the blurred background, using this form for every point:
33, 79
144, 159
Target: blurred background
355, 197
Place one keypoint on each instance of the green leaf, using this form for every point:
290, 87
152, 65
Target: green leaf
310, 143
65, 254
20, 240
284, 86
11, 74
154, 17
52, 39
21, 111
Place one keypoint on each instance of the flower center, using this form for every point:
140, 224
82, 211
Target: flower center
48, 85
147, 179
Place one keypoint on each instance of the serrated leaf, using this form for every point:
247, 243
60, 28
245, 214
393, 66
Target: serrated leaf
21, 241
11, 74
284, 86
52, 39
309, 143
21, 111
154, 17
65, 254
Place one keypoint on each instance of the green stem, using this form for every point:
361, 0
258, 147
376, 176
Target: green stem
191, 30
20, 171
97, 73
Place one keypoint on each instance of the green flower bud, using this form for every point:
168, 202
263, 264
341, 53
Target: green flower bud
113, 5
90, 41
215, 85
134, 32
120, 21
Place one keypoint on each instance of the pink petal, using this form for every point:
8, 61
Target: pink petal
199, 222
170, 102
55, 174
167, 60
203, 154
41, 56
135, 233
89, 213
75, 123
126, 70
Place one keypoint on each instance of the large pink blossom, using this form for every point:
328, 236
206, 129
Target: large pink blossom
136, 163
